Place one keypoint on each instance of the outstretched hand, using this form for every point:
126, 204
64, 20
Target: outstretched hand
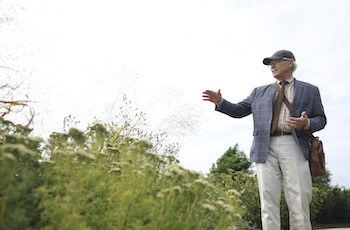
298, 122
215, 97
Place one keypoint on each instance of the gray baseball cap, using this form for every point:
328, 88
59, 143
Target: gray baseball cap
279, 55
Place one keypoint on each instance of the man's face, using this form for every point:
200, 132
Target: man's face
281, 69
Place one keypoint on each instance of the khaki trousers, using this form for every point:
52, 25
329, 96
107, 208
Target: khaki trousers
285, 161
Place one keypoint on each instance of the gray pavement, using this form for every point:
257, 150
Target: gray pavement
334, 228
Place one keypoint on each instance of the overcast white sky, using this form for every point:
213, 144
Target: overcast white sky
79, 57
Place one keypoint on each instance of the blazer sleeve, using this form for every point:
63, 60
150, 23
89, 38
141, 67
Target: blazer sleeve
237, 110
307, 98
317, 117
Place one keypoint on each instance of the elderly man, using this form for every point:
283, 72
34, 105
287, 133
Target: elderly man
280, 146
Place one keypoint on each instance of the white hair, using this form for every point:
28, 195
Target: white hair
295, 65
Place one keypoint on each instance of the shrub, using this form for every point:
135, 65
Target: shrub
20, 175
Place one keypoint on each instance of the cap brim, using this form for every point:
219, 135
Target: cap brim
268, 60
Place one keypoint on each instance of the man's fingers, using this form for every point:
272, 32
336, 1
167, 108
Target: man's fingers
212, 96
208, 95
302, 117
303, 114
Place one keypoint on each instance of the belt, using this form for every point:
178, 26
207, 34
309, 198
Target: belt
280, 133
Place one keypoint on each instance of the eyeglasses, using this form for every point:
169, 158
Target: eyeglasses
277, 61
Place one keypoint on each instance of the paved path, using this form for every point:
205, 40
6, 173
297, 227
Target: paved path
335, 228
344, 227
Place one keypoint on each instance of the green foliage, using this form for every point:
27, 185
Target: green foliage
20, 176
320, 187
233, 171
232, 160
247, 187
336, 206
103, 179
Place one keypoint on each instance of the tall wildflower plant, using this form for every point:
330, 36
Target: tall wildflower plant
188, 201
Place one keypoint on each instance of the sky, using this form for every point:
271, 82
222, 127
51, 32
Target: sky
80, 58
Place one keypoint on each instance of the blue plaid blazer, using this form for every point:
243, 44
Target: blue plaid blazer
260, 103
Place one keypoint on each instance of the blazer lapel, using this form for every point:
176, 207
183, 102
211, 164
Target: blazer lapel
272, 93
298, 88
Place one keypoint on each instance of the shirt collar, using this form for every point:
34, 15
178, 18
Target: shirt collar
290, 80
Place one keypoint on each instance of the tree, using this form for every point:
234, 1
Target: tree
233, 171
233, 160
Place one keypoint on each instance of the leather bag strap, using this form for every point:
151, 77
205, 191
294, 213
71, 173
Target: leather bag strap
285, 100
